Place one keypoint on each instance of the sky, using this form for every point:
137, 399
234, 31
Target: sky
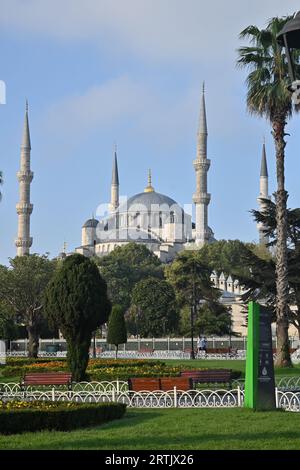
129, 72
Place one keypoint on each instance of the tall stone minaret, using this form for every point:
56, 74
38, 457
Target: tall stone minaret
114, 192
201, 197
24, 207
263, 194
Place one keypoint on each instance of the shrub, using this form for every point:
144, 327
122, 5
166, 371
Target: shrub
76, 302
17, 417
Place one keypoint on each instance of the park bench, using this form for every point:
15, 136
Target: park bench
183, 383
209, 376
47, 378
159, 384
143, 384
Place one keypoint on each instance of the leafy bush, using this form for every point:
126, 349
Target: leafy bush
18, 417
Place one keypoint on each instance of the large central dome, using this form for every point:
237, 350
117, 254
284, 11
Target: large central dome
148, 200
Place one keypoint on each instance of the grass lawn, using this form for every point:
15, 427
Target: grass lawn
229, 364
180, 429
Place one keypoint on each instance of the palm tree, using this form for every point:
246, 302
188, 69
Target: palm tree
268, 96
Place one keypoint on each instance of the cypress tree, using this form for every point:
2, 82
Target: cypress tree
76, 302
117, 333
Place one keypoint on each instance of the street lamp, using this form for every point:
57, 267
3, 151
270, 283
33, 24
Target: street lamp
289, 37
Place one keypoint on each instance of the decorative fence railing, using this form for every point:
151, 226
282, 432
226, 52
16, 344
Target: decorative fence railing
140, 355
156, 354
117, 391
284, 383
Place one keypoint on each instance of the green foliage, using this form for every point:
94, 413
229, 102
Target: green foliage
213, 319
16, 418
190, 278
268, 96
8, 328
268, 77
224, 256
124, 267
117, 333
22, 288
157, 312
262, 283
76, 302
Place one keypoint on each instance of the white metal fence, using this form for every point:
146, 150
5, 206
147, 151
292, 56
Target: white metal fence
117, 391
139, 355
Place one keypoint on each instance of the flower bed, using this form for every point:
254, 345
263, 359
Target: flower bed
19, 416
104, 369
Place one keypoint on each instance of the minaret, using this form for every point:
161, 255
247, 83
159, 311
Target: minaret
263, 194
201, 197
24, 208
114, 192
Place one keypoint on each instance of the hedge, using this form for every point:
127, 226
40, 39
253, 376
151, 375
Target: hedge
58, 417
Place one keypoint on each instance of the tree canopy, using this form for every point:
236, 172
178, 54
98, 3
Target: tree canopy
156, 312
22, 287
117, 332
268, 96
76, 302
124, 267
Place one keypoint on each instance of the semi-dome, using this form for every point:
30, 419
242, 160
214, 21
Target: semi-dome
91, 223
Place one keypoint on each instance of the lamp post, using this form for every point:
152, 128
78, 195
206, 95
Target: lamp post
289, 38
193, 313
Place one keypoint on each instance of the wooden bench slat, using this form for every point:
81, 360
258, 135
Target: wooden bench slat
209, 376
47, 378
181, 383
138, 384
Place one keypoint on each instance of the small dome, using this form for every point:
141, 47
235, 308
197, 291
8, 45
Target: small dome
91, 223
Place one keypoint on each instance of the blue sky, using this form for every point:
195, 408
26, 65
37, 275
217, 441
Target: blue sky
97, 72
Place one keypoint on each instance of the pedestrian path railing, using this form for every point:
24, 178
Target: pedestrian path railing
117, 391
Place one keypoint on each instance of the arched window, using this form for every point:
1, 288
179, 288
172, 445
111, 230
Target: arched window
172, 217
160, 220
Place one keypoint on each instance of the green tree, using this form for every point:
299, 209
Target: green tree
76, 302
266, 275
8, 328
117, 333
268, 97
156, 308
213, 319
124, 267
190, 278
22, 287
224, 256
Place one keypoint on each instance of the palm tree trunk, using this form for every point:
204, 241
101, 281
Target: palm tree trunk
283, 358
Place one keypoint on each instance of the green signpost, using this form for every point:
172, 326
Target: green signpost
260, 382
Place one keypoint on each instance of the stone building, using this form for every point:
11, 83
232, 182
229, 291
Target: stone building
153, 218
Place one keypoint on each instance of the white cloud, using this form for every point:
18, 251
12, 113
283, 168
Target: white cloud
161, 116
190, 30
